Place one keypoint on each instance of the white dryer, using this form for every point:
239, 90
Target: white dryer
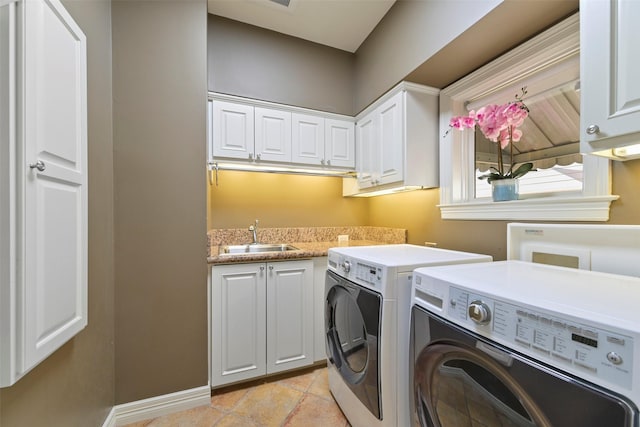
525, 344
367, 318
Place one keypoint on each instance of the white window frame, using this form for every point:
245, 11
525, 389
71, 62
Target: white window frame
542, 58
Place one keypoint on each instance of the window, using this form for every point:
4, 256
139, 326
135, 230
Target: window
566, 186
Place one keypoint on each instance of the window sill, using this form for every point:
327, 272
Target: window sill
578, 208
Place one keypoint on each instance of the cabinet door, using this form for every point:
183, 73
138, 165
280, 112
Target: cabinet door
238, 315
289, 315
308, 139
233, 130
339, 143
391, 143
610, 67
366, 150
54, 173
273, 135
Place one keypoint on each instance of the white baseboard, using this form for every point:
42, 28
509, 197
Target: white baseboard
158, 406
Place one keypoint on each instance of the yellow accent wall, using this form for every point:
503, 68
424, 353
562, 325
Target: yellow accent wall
281, 200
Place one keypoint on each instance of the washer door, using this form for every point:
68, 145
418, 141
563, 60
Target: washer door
457, 385
352, 325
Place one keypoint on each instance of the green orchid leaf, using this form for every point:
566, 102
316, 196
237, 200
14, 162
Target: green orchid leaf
522, 170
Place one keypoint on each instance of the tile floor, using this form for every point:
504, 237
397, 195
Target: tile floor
302, 399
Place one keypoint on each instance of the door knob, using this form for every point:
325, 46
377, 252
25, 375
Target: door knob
38, 165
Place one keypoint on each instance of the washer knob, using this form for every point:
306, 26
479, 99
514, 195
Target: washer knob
479, 312
614, 358
346, 266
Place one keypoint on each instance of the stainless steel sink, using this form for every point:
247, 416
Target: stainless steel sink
256, 248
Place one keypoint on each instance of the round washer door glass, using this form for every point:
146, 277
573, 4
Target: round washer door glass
347, 333
459, 387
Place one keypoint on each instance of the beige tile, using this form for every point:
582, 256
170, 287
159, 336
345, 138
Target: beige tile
144, 423
268, 404
300, 382
320, 385
226, 401
234, 420
195, 417
314, 411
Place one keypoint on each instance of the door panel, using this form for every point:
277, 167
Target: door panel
238, 314
290, 315
56, 192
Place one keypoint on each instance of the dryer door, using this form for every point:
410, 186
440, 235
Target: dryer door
460, 378
353, 327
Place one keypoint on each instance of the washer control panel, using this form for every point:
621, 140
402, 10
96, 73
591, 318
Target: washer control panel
363, 273
588, 351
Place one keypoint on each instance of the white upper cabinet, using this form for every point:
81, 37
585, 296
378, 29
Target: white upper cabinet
339, 143
610, 88
397, 142
261, 133
43, 197
232, 127
390, 145
308, 139
272, 135
321, 141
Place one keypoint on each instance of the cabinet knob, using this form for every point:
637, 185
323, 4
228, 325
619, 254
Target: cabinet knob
250, 156
593, 129
328, 162
262, 268
322, 162
271, 267
38, 165
258, 157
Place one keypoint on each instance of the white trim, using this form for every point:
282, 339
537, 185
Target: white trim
158, 406
110, 421
548, 57
544, 209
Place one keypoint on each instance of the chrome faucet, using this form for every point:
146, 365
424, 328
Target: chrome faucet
254, 229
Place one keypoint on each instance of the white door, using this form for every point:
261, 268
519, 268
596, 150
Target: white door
289, 315
391, 144
609, 72
366, 151
238, 317
307, 139
232, 130
55, 180
273, 135
340, 143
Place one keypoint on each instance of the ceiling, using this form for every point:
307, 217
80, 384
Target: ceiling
342, 24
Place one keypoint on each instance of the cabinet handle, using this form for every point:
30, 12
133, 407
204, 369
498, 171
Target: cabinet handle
593, 129
38, 165
322, 162
258, 157
250, 156
328, 162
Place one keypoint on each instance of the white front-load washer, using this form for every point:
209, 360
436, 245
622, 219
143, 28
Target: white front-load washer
524, 344
367, 318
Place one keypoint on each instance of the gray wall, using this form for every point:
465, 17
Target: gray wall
256, 63
410, 33
75, 386
159, 92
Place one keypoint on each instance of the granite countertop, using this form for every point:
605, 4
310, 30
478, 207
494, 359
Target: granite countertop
310, 241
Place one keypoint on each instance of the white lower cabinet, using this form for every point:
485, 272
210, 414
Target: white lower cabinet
262, 319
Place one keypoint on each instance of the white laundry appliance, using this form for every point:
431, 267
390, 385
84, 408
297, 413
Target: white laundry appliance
526, 343
367, 318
